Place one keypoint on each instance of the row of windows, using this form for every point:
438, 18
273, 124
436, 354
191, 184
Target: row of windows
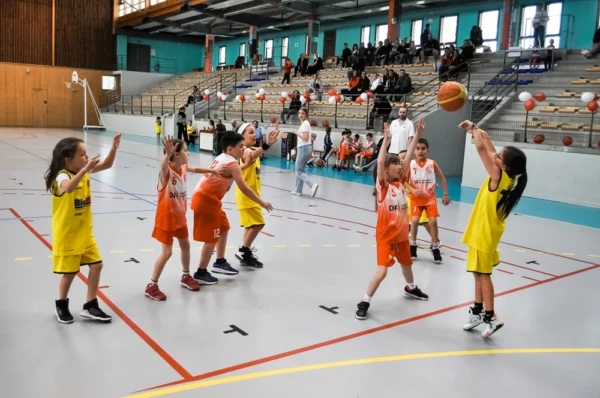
129, 6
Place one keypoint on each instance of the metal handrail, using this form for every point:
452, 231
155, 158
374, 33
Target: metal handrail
480, 109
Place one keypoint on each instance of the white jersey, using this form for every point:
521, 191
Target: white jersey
423, 177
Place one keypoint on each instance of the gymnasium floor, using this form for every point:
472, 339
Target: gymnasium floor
292, 323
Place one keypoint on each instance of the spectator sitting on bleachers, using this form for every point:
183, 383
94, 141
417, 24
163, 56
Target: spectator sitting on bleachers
293, 109
468, 51
317, 86
316, 66
445, 63
534, 60
369, 54
195, 97
389, 81
476, 36
595, 50
359, 66
345, 57
376, 85
412, 52
365, 83
383, 51
353, 86
430, 48
403, 84
355, 54
301, 65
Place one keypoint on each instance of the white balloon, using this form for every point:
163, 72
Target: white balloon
313, 97
364, 96
587, 97
219, 93
257, 95
237, 98
302, 100
223, 97
207, 91
332, 100
342, 98
261, 91
524, 96
284, 94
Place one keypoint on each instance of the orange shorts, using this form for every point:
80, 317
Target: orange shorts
208, 226
386, 253
166, 237
366, 154
431, 209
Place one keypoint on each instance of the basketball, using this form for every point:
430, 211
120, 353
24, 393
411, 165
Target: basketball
325, 123
452, 96
539, 138
320, 162
313, 123
568, 140
273, 120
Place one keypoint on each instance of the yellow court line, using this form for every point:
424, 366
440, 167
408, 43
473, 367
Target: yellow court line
328, 245
353, 245
23, 258
520, 251
303, 245
593, 255
117, 251
568, 254
146, 250
364, 361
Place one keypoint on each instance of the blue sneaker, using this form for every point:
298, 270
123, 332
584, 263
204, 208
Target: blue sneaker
224, 268
205, 278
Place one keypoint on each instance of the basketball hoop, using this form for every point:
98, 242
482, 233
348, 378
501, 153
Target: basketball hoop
68, 84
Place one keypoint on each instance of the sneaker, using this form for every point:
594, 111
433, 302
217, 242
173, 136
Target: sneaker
224, 268
296, 193
62, 311
437, 256
413, 251
247, 258
153, 292
205, 278
474, 319
415, 293
361, 312
313, 190
189, 283
491, 326
92, 311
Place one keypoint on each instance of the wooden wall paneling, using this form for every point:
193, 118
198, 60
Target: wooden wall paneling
26, 31
84, 34
2, 97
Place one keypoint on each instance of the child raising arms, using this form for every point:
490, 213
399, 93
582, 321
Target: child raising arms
170, 221
73, 240
498, 195
392, 221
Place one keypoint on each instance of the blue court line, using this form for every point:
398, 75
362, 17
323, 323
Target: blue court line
95, 214
122, 191
558, 211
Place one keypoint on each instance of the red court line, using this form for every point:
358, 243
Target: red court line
295, 219
274, 215
154, 345
345, 229
506, 272
268, 234
301, 350
458, 258
364, 233
311, 222
531, 279
327, 225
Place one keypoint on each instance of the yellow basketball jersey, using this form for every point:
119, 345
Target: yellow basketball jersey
486, 226
71, 218
252, 177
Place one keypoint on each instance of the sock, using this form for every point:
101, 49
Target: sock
220, 261
153, 282
435, 245
489, 315
367, 299
477, 308
411, 285
413, 242
186, 273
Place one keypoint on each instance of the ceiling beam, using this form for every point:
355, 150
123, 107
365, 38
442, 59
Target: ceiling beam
167, 8
249, 20
304, 8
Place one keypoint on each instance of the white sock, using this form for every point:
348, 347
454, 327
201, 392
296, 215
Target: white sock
413, 242
367, 299
411, 285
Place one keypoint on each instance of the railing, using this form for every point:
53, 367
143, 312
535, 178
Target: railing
110, 98
157, 64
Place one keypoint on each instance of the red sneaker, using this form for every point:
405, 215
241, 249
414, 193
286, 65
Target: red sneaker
188, 282
154, 292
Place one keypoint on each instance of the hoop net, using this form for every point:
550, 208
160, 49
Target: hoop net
68, 84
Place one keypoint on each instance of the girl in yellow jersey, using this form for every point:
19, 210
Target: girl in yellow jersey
499, 194
251, 217
73, 241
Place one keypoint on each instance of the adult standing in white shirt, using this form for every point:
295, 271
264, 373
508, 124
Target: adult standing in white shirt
303, 152
539, 25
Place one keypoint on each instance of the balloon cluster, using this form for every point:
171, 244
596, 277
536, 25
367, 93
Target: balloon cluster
529, 100
591, 99
335, 97
221, 96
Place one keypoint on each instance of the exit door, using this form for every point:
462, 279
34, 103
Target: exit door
329, 44
39, 114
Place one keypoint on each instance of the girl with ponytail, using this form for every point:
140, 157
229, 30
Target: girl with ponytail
497, 197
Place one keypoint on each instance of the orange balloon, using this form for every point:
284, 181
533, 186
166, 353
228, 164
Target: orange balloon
307, 96
359, 100
273, 120
540, 97
592, 106
205, 97
331, 92
529, 104
282, 100
338, 98
242, 98
261, 98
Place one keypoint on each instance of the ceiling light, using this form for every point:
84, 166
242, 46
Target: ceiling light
420, 2
384, 8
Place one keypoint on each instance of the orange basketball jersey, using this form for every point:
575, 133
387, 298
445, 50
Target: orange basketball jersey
211, 188
392, 217
172, 200
422, 175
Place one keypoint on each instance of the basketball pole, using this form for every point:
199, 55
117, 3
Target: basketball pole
87, 90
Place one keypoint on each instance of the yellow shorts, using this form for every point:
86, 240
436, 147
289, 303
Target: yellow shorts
423, 220
251, 217
72, 264
481, 262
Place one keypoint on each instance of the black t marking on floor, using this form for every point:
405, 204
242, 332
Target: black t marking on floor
533, 262
329, 309
141, 218
235, 329
132, 259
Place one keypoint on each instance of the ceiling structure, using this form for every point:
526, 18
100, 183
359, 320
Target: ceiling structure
232, 18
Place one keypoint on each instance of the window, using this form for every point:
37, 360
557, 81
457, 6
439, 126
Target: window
268, 49
222, 55
417, 29
129, 6
554, 11
381, 33
448, 27
108, 82
154, 2
242, 49
488, 21
365, 35
307, 47
284, 47
527, 14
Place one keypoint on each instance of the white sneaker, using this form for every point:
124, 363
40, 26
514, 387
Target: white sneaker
296, 193
492, 327
313, 190
474, 320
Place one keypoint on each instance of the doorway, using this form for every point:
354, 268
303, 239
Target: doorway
329, 43
39, 112
138, 57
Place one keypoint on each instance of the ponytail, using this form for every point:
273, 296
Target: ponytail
65, 149
516, 167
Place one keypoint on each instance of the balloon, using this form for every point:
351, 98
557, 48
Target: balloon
261, 91
219, 93
207, 91
284, 94
529, 104
370, 94
242, 97
224, 93
313, 97
332, 100
224, 97
524, 96
306, 95
257, 95
587, 97
331, 92
540, 97
364, 96
592, 106
282, 100
237, 98
302, 100
338, 97
205, 97
262, 97
219, 99
292, 95
359, 100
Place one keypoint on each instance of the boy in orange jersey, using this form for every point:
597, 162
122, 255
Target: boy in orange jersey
170, 221
210, 221
423, 178
392, 222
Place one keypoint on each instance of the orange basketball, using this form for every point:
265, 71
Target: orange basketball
273, 120
325, 123
452, 96
320, 162
539, 138
567, 141
313, 123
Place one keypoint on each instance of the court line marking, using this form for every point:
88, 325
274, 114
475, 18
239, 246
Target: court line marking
354, 362
139, 331
351, 336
